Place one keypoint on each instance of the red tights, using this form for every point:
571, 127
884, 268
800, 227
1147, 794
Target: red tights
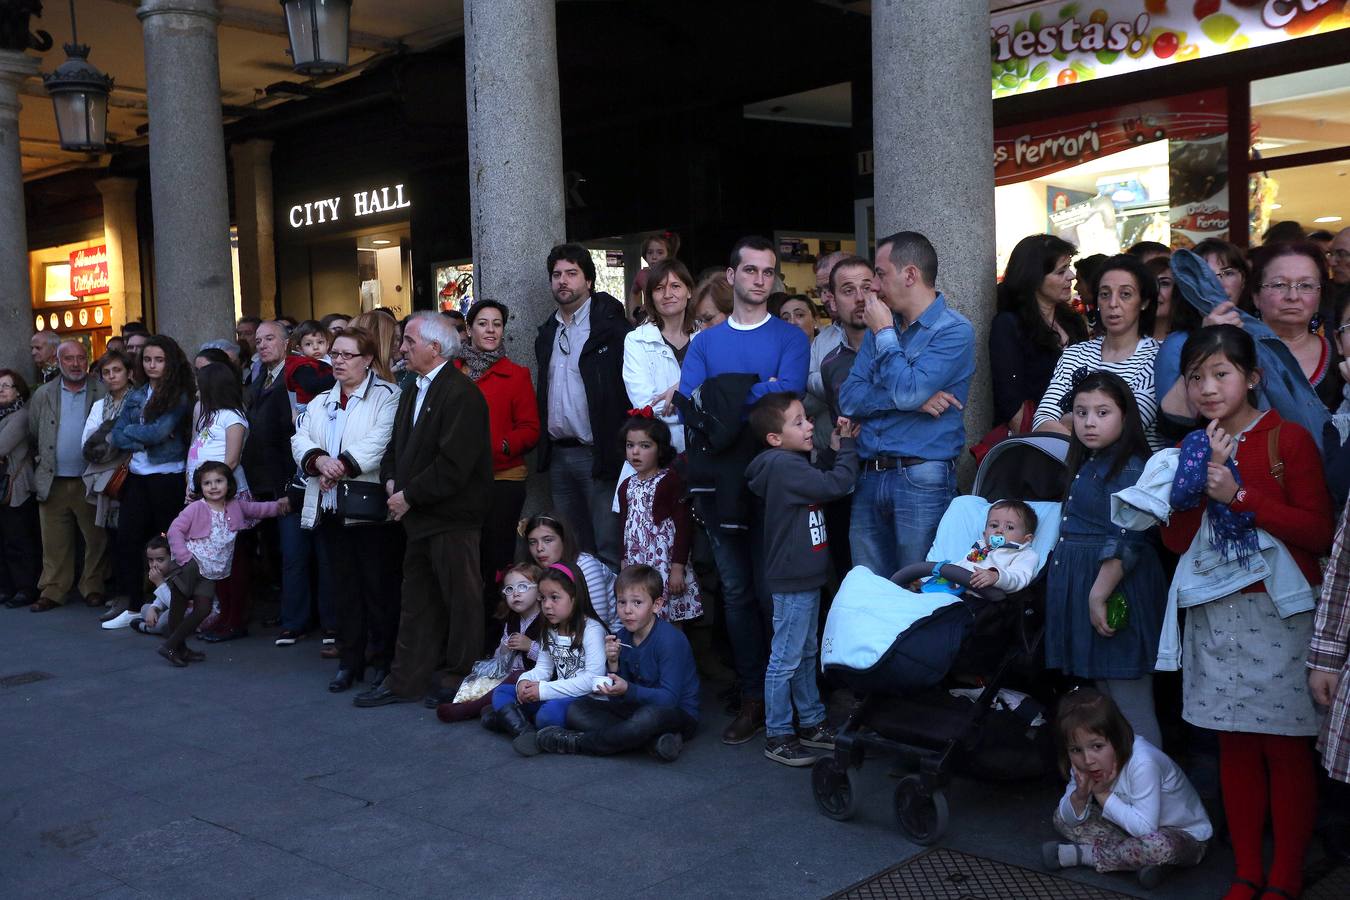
1275, 773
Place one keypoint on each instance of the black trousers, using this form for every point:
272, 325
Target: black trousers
497, 549
367, 601
20, 549
616, 726
187, 583
149, 505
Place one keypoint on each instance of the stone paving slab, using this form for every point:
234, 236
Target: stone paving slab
243, 777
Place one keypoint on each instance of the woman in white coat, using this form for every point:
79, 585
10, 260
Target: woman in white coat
653, 352
341, 437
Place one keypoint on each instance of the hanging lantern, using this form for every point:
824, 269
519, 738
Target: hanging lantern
79, 94
319, 31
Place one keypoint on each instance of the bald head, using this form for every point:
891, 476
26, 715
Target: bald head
270, 343
1340, 257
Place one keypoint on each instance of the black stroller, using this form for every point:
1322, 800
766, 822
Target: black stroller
987, 639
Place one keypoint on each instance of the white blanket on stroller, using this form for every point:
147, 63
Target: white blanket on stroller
868, 614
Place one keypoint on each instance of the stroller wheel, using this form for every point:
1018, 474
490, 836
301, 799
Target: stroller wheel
921, 816
834, 786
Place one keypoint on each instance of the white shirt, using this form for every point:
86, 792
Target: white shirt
424, 385
209, 443
568, 414
1150, 793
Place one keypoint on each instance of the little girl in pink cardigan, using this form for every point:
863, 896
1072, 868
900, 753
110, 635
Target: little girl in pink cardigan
201, 540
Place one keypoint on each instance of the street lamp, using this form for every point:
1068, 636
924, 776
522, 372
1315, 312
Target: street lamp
319, 31
79, 93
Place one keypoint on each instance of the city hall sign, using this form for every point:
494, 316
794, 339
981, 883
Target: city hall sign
358, 205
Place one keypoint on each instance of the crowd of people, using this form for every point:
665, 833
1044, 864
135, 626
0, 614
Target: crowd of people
716, 457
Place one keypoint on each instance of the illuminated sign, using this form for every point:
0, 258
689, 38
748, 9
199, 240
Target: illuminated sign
360, 204
89, 271
1054, 43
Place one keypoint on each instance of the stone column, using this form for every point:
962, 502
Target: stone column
194, 285
515, 158
934, 166
253, 217
16, 295
122, 237
515, 167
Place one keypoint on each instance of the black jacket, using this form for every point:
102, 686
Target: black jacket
601, 367
720, 446
267, 460
443, 465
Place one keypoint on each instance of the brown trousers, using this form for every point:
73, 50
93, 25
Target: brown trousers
64, 510
440, 629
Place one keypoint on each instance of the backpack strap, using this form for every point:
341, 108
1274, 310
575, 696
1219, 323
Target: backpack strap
1273, 453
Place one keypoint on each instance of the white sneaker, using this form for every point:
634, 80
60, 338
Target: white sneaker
121, 621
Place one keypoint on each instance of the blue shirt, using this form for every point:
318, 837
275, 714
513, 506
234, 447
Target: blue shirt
771, 349
69, 429
896, 371
660, 671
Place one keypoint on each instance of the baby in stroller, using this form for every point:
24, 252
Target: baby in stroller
1002, 557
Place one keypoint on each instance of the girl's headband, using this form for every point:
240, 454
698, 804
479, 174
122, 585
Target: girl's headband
565, 570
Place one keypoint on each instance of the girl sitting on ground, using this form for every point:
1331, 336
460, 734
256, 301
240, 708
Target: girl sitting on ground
201, 539
1127, 807
522, 625
571, 661
550, 541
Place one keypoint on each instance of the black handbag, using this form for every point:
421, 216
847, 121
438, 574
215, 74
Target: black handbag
365, 501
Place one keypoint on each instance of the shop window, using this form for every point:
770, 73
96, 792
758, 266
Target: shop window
1317, 197
1301, 112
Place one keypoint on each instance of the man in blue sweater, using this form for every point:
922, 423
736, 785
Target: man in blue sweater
650, 698
750, 341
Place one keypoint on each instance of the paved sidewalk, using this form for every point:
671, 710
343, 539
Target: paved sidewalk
243, 777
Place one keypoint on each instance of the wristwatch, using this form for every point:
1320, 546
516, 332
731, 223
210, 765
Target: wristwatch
1239, 496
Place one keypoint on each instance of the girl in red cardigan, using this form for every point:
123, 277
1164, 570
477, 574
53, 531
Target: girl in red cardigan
1243, 658
656, 526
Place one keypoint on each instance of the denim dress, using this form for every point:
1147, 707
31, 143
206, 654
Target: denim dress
1087, 539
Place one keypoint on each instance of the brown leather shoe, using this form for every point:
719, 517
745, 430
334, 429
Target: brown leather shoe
748, 723
44, 605
94, 600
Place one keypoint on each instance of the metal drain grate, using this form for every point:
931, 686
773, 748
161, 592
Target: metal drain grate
950, 875
24, 678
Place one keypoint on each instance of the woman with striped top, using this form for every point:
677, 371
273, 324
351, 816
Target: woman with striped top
1127, 301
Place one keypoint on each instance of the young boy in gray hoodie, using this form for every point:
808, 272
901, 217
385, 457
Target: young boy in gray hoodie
796, 551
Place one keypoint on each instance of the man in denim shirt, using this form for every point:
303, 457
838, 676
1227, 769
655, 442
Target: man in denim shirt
907, 389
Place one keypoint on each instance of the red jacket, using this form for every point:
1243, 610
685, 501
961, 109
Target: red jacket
513, 412
1299, 514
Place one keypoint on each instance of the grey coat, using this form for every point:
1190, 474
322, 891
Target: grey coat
44, 415
14, 450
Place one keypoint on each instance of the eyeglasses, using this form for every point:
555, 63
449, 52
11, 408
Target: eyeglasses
564, 344
345, 357
1228, 273
1304, 288
511, 590
1339, 254
1343, 329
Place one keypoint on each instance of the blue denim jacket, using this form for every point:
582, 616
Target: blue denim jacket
1283, 386
164, 440
896, 371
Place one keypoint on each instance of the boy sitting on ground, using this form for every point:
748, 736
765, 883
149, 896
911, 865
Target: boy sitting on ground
650, 698
1002, 558
796, 551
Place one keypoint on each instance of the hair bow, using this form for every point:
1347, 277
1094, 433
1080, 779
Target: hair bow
1066, 402
644, 413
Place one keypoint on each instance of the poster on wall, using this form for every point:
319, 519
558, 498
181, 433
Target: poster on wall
1055, 43
454, 286
1197, 171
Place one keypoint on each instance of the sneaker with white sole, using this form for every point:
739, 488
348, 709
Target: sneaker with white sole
287, 638
122, 620
788, 751
819, 736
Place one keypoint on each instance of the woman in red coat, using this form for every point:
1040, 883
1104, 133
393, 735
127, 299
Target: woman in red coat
513, 415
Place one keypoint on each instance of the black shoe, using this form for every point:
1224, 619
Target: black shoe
666, 747
191, 655
379, 696
553, 739
287, 638
490, 720
172, 656
217, 637
514, 721
788, 751
344, 679
527, 743
436, 696
271, 621
18, 600
378, 675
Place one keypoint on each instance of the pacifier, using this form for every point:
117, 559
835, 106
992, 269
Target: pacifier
996, 541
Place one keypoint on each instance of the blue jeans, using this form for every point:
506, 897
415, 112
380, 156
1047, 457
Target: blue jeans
896, 514
585, 503
549, 712
297, 545
791, 677
735, 558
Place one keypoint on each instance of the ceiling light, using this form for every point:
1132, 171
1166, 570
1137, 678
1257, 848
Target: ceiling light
319, 32
1323, 220
79, 93
381, 242
1277, 206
